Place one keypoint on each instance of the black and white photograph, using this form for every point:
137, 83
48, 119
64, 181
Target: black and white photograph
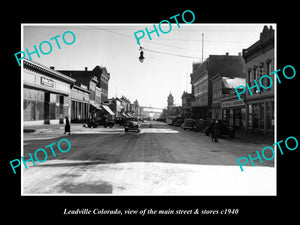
145, 109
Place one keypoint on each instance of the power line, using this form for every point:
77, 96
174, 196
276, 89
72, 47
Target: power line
167, 53
198, 40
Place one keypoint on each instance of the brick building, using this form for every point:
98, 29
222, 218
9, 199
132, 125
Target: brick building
259, 60
225, 65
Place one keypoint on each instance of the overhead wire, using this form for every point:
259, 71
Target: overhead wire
162, 44
167, 53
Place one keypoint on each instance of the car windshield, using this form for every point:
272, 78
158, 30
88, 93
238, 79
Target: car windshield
133, 119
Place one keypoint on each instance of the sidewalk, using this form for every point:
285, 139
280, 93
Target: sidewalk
51, 128
51, 131
46, 131
252, 137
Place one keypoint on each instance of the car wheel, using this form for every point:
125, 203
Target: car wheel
126, 130
94, 126
231, 134
206, 133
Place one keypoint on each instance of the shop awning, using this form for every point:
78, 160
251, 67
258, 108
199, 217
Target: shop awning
108, 110
129, 114
124, 114
94, 105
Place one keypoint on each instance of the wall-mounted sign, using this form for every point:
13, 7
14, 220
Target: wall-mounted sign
233, 103
47, 82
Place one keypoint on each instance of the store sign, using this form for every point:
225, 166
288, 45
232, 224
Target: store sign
233, 103
47, 82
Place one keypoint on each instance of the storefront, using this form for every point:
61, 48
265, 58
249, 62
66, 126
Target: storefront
46, 94
260, 115
233, 111
80, 98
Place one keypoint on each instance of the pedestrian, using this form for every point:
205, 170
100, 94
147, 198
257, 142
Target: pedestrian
67, 126
216, 130
212, 130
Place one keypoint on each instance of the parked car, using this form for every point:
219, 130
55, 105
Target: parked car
120, 120
178, 122
103, 121
131, 123
188, 124
161, 120
170, 120
177, 118
201, 124
225, 129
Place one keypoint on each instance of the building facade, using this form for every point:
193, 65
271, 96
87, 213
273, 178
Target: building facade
46, 94
96, 81
135, 107
115, 105
233, 110
186, 101
125, 106
225, 65
259, 59
80, 103
225, 104
99, 92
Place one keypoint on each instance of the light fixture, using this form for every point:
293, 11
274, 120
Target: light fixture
141, 58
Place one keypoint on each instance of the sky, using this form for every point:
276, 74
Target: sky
168, 58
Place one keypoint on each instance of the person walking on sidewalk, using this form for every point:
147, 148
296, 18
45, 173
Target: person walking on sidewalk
67, 126
216, 131
212, 130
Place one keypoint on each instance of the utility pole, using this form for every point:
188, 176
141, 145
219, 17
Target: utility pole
186, 82
202, 46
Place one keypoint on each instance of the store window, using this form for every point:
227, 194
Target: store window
261, 116
269, 112
33, 107
52, 105
66, 106
29, 110
250, 117
243, 117
40, 105
231, 118
255, 116
72, 110
237, 117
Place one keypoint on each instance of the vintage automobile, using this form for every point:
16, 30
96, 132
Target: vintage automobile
178, 122
188, 124
103, 121
201, 124
225, 129
132, 123
170, 120
120, 120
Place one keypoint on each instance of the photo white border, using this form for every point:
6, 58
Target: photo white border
146, 24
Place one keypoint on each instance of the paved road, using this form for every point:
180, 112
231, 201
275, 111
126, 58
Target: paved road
158, 160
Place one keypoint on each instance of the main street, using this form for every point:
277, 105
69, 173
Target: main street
159, 160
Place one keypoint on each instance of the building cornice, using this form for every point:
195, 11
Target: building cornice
36, 67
